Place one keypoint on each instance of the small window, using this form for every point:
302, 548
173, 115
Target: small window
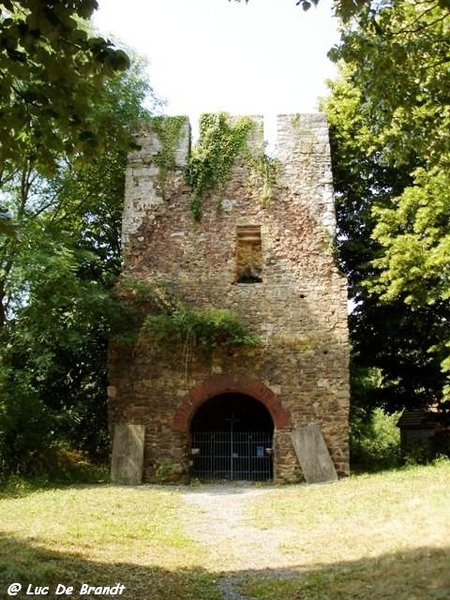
249, 254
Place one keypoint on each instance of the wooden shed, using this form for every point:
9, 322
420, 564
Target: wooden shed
423, 425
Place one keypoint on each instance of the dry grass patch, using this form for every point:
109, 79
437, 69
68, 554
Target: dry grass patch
381, 536
101, 535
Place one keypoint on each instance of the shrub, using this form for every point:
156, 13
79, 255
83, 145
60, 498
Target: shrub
375, 440
425, 452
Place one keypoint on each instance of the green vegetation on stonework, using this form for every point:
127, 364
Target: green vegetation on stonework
210, 165
169, 131
157, 313
203, 328
264, 171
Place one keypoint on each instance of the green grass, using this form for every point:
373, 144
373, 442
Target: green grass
375, 537
362, 516
102, 535
384, 536
418, 575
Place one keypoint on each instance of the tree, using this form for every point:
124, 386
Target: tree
68, 107
389, 339
347, 9
57, 279
51, 71
390, 123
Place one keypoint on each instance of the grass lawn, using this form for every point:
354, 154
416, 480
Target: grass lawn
384, 536
376, 537
101, 535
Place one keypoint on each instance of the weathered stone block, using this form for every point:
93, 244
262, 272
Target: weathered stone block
313, 455
128, 454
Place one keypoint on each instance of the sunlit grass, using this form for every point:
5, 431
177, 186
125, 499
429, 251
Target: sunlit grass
101, 522
102, 535
383, 537
364, 516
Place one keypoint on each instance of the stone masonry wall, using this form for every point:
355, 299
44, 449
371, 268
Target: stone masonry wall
299, 309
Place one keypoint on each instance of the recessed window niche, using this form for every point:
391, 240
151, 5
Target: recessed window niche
248, 254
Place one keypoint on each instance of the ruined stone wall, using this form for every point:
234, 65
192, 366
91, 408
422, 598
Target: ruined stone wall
299, 308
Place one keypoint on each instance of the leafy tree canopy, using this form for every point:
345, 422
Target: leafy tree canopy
56, 299
390, 121
51, 70
66, 95
346, 9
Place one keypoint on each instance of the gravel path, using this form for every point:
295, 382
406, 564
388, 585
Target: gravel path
217, 517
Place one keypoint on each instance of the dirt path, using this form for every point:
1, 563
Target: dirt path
217, 517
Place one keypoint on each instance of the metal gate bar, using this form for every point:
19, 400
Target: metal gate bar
232, 455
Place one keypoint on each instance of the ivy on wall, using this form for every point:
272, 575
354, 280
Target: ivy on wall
211, 161
169, 131
222, 141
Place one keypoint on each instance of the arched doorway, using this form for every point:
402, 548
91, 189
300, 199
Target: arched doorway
231, 438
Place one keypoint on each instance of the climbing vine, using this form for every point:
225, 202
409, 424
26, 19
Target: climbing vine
221, 142
210, 165
169, 131
264, 172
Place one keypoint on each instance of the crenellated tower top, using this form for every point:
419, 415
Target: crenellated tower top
165, 147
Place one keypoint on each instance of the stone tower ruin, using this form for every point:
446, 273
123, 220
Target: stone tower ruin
259, 252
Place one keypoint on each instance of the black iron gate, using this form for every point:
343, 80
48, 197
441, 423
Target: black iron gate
232, 455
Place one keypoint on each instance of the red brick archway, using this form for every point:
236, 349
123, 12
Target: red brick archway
229, 383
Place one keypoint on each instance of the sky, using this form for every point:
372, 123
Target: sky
266, 57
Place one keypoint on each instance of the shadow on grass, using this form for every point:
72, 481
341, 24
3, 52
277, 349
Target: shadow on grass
419, 574
422, 574
28, 563
18, 487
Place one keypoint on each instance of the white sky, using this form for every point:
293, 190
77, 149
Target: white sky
264, 57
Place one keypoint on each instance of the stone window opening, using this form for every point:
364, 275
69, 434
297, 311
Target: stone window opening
249, 254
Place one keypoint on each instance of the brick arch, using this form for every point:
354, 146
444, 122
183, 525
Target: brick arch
221, 384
